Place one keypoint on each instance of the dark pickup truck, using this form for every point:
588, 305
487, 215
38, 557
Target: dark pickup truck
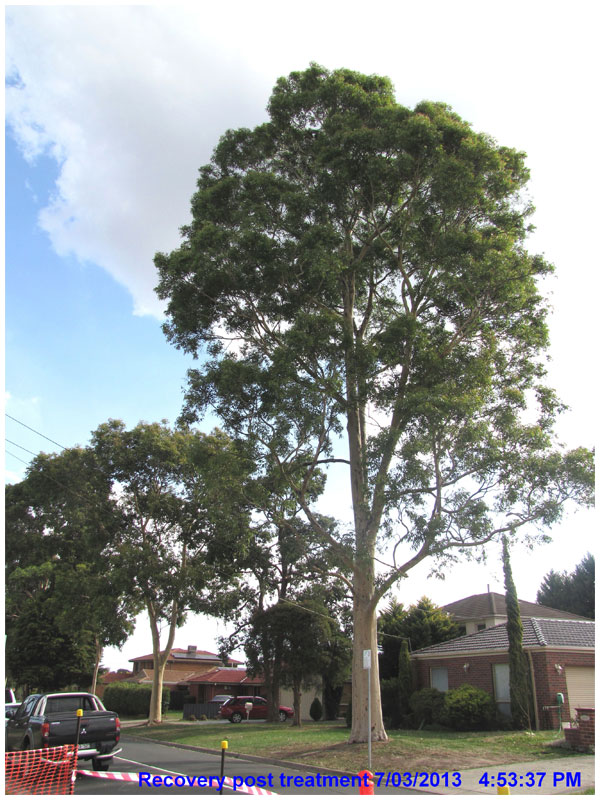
49, 720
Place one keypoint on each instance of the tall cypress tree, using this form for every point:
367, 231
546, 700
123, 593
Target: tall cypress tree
520, 687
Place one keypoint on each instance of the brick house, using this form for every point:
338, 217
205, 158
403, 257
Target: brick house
560, 653
480, 611
222, 680
182, 666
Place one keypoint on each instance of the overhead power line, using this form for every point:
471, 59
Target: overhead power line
14, 419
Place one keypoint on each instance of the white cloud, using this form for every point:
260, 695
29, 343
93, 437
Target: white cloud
130, 104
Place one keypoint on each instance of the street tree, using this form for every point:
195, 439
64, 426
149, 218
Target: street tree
186, 524
356, 280
574, 592
61, 524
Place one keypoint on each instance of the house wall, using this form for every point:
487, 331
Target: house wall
480, 673
548, 682
286, 698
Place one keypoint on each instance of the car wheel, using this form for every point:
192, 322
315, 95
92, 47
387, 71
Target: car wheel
282, 716
101, 764
236, 717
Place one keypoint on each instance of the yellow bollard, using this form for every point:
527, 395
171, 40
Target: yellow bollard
503, 790
224, 746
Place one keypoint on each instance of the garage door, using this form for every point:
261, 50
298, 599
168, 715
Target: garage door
580, 686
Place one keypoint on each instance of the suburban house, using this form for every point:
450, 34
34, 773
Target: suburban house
480, 611
222, 680
203, 675
560, 653
182, 666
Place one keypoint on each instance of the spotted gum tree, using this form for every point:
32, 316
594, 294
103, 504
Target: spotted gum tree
356, 270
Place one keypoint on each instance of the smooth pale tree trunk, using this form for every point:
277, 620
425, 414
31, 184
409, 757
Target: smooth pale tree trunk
365, 638
159, 660
99, 650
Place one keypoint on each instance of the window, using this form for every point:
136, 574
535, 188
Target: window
502, 687
481, 626
439, 678
56, 705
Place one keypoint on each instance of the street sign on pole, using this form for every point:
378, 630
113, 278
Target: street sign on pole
367, 666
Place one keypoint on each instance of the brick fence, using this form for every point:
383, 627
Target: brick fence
581, 734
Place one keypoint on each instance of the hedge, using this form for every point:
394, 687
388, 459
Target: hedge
131, 699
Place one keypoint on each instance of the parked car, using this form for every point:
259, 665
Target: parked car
9, 710
235, 709
220, 698
49, 720
9, 696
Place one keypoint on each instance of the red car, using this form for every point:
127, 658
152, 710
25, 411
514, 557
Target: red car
235, 709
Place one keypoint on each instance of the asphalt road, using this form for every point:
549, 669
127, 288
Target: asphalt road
158, 759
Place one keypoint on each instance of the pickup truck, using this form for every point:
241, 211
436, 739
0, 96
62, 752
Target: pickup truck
49, 720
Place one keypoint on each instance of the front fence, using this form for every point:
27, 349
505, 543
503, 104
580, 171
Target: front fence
198, 710
47, 771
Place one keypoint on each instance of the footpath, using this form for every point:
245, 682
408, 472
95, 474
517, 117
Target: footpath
552, 776
549, 776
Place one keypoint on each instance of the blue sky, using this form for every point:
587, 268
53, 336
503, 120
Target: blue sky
110, 112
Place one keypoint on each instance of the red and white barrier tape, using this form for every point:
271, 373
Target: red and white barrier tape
133, 777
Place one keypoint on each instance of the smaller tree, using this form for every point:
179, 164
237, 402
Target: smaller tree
574, 592
519, 677
186, 524
421, 625
295, 633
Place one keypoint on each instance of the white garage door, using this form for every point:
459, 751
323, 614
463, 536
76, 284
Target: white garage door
580, 686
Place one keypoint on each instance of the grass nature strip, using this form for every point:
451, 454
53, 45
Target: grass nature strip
325, 745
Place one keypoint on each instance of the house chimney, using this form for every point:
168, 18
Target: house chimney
191, 649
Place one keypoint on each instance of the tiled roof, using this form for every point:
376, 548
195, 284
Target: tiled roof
171, 676
178, 653
537, 632
494, 604
222, 675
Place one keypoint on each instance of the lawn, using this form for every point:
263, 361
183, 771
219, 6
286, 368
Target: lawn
324, 745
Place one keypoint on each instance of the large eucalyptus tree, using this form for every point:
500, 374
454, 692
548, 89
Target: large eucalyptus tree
356, 267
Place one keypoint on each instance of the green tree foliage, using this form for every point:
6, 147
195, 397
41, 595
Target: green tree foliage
186, 523
574, 592
519, 675
61, 524
292, 635
40, 657
421, 625
356, 267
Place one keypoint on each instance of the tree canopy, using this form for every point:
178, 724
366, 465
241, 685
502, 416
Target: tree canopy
356, 280
61, 527
421, 625
185, 523
574, 592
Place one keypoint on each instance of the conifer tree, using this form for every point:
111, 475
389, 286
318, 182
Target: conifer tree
519, 679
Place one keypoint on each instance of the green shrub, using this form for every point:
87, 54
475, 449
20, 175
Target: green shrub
427, 706
468, 709
131, 699
391, 703
316, 710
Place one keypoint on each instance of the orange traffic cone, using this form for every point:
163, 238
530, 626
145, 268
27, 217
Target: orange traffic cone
367, 782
